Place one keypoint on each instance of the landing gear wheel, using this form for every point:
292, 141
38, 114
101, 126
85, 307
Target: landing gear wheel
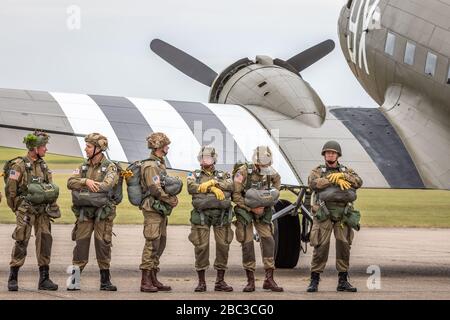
287, 238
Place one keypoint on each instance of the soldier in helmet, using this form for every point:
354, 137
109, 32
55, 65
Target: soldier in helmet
334, 185
251, 179
157, 205
27, 180
211, 198
91, 184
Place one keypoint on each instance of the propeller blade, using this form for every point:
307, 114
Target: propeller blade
310, 56
187, 64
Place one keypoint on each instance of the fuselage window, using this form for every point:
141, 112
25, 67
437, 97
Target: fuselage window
390, 44
410, 52
430, 66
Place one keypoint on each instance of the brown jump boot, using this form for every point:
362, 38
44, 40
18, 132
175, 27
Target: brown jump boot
201, 287
221, 285
250, 287
44, 279
146, 282
269, 283
158, 284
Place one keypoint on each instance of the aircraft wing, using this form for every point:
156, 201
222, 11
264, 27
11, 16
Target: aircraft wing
127, 121
370, 144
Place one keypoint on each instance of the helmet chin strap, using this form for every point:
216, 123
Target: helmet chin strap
207, 166
331, 162
94, 153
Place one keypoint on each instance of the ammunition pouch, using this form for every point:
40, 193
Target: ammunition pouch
212, 217
206, 201
159, 206
352, 218
339, 212
255, 198
335, 194
41, 193
100, 213
245, 217
331, 210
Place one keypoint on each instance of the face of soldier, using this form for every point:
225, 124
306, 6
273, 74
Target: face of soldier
265, 170
207, 161
89, 149
162, 152
331, 157
41, 151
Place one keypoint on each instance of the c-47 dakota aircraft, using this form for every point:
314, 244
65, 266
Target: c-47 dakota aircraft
399, 51
265, 101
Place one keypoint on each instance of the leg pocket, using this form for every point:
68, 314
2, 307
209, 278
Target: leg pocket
107, 232
229, 234
315, 235
195, 236
240, 232
152, 231
19, 233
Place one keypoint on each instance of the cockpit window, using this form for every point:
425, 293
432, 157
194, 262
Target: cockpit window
430, 66
410, 52
390, 44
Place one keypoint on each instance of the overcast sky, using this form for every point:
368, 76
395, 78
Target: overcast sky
41, 47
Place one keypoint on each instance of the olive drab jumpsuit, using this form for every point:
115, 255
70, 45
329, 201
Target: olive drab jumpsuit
321, 231
28, 215
201, 223
90, 220
155, 223
263, 224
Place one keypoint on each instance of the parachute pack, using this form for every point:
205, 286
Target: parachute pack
136, 194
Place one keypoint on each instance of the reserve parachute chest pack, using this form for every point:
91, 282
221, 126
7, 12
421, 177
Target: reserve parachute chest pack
257, 194
207, 201
38, 190
334, 193
86, 198
337, 204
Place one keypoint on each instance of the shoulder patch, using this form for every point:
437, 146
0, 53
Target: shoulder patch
156, 179
14, 175
76, 171
238, 177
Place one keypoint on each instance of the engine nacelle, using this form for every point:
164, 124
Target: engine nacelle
273, 84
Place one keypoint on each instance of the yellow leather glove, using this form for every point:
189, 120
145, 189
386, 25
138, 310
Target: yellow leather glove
335, 177
345, 185
203, 187
218, 193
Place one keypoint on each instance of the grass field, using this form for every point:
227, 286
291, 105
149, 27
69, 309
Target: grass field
379, 207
